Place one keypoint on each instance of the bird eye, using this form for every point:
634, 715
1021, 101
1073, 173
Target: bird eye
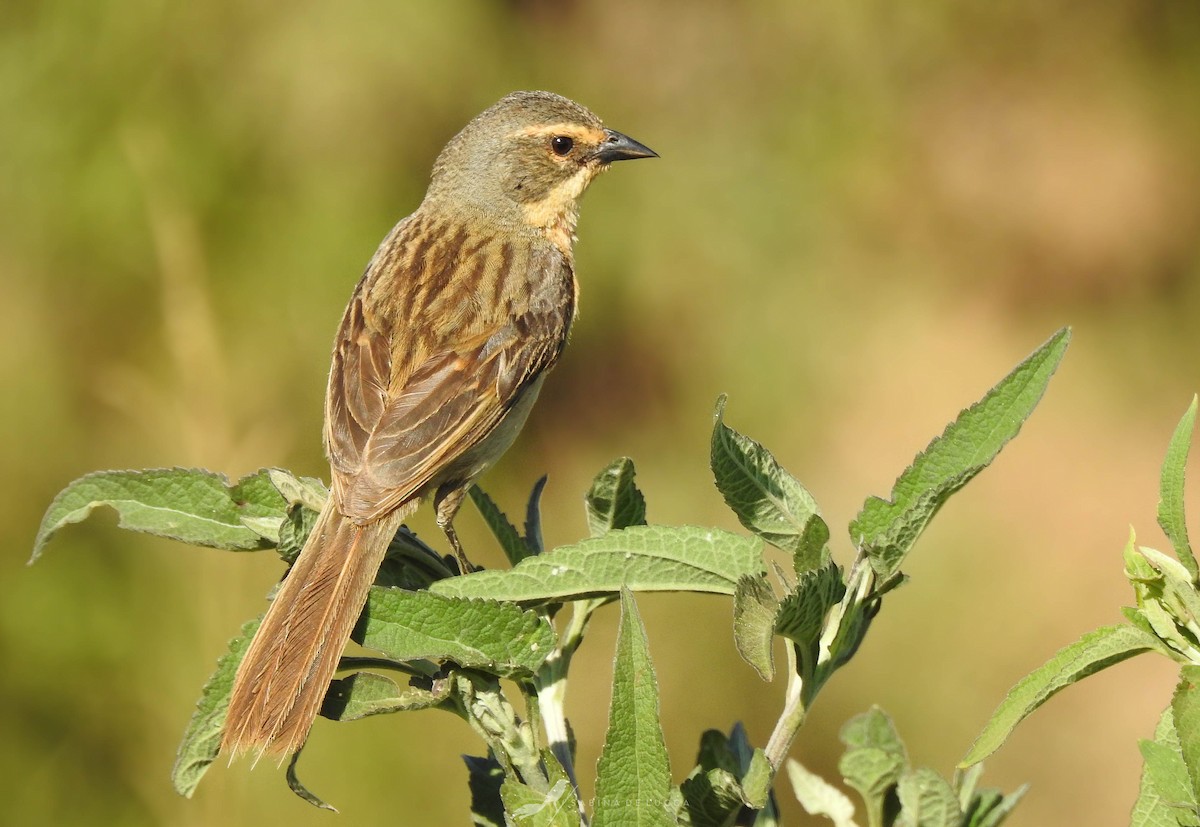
561, 144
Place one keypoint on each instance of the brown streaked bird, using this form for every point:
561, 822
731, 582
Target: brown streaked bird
439, 358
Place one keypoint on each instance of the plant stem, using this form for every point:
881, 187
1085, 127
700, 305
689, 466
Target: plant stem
792, 717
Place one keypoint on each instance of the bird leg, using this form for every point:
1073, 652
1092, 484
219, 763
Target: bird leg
447, 501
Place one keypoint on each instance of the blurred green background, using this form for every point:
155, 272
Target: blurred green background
865, 214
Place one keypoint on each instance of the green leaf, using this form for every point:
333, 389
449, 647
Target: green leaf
309, 492
927, 800
511, 541
614, 500
202, 739
1185, 708
293, 782
754, 609
766, 499
886, 530
533, 517
197, 507
1162, 771
484, 778
1094, 651
802, 612
366, 693
820, 798
874, 759
497, 637
526, 807
989, 808
633, 780
812, 551
640, 558
713, 798
1171, 512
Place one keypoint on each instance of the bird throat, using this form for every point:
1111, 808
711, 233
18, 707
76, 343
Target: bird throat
557, 213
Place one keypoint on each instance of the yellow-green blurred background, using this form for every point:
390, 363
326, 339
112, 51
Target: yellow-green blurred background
865, 213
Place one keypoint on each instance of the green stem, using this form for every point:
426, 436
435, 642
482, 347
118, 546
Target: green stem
792, 717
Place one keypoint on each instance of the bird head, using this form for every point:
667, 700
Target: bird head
526, 160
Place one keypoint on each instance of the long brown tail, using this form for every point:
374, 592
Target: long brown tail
284, 675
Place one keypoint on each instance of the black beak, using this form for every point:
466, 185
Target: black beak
618, 147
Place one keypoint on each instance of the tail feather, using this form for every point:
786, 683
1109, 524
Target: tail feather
283, 677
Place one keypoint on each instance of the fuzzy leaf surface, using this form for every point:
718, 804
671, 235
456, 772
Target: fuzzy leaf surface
818, 797
526, 807
498, 637
1171, 511
754, 609
766, 499
614, 500
927, 800
1093, 652
202, 739
1185, 709
187, 504
633, 779
640, 558
1161, 759
362, 694
887, 529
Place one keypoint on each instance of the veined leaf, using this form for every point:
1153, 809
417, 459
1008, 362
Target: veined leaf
766, 499
202, 740
1171, 512
365, 693
885, 529
640, 558
195, 506
927, 800
754, 610
1094, 651
818, 797
1185, 709
499, 637
633, 778
614, 500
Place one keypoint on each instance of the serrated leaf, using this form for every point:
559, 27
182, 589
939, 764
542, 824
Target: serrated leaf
1185, 708
633, 779
802, 612
498, 637
614, 500
1153, 808
309, 492
484, 778
526, 807
874, 759
754, 609
202, 739
712, 798
366, 693
293, 782
1171, 510
1169, 775
294, 531
812, 551
927, 800
511, 542
818, 797
191, 505
640, 558
1091, 653
766, 499
887, 529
